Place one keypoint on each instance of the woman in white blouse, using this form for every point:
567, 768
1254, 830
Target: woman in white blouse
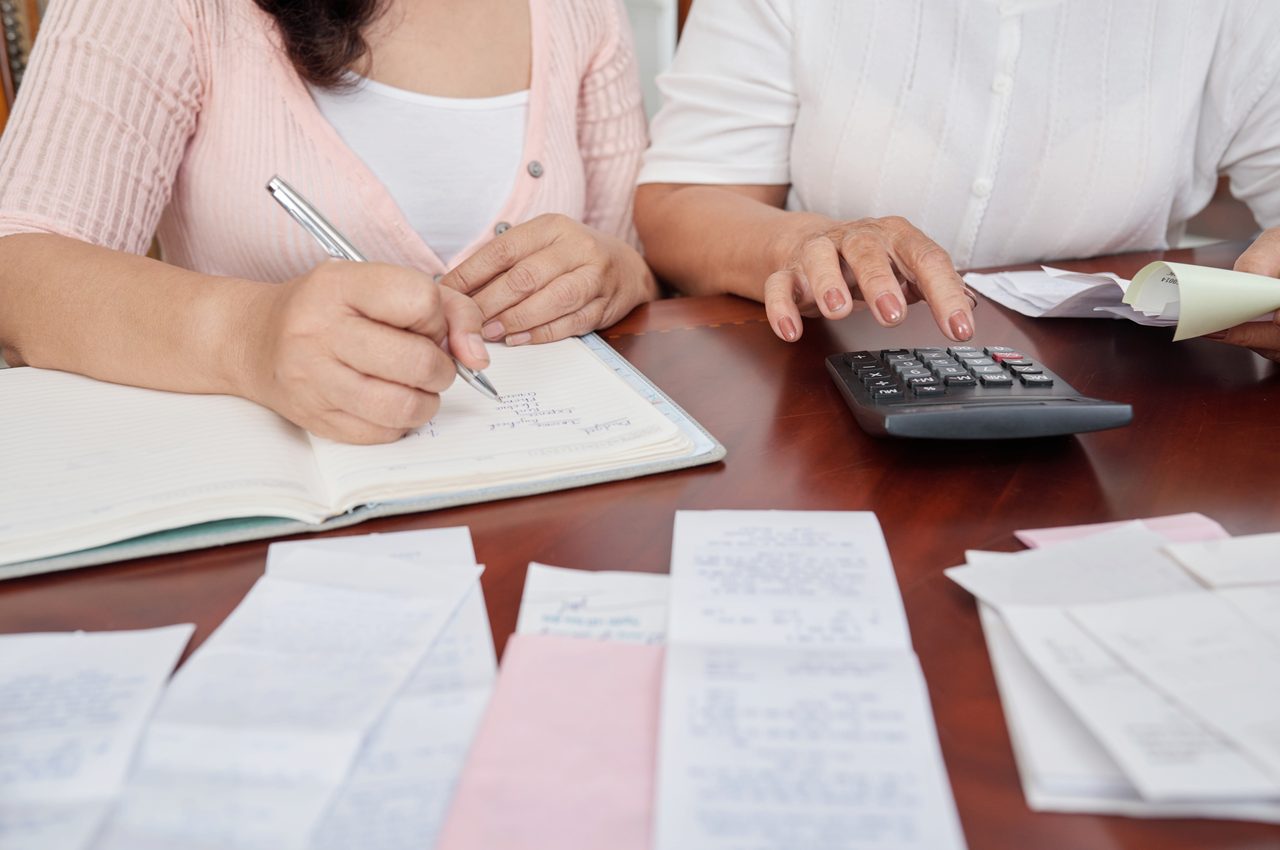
806, 147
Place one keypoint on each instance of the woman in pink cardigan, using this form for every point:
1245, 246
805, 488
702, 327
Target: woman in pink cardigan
482, 153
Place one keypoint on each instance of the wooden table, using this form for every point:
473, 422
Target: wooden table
1205, 437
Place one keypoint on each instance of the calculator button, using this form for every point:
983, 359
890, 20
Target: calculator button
888, 393
948, 371
974, 362
924, 382
1022, 361
908, 374
875, 375
900, 365
860, 358
876, 386
961, 381
928, 390
893, 352
1026, 369
1031, 380
993, 350
940, 357
1002, 356
1000, 380
899, 358
957, 350
922, 353
987, 370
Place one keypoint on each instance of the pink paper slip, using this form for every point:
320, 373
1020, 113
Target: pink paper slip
565, 755
1179, 528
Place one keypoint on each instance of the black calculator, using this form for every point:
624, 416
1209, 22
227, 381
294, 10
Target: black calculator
965, 392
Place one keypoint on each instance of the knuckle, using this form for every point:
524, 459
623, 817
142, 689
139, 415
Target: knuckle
521, 280
502, 250
931, 256
567, 294
896, 223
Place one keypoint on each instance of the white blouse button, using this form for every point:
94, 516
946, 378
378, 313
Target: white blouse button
982, 187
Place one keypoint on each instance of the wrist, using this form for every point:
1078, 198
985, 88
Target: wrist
231, 333
790, 236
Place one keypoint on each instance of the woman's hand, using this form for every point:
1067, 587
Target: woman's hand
886, 263
1263, 257
552, 278
357, 351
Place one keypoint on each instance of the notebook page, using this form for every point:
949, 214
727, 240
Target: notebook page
563, 411
101, 462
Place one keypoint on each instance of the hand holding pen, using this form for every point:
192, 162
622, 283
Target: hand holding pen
356, 352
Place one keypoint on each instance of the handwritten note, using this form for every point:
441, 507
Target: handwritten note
399, 789
793, 709
784, 747
72, 707
1166, 752
1198, 650
619, 606
261, 726
793, 578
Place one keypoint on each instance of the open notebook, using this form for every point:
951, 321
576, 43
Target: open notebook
88, 464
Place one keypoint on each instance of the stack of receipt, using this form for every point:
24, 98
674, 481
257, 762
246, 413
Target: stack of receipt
1138, 676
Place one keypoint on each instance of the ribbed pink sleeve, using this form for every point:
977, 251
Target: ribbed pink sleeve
612, 129
100, 128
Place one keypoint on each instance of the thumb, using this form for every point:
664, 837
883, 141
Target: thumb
463, 318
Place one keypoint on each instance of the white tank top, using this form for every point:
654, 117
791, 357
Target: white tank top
449, 163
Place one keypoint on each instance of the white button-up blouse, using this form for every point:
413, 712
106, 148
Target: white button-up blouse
1008, 130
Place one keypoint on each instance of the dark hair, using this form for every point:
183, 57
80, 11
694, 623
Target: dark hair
323, 38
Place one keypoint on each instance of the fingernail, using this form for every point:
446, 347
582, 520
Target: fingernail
493, 331
961, 327
1220, 335
788, 329
519, 339
890, 309
834, 299
478, 351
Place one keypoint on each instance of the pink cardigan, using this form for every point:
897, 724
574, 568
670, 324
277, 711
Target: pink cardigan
167, 117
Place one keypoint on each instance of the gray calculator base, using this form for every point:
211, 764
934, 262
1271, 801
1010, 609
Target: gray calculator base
986, 419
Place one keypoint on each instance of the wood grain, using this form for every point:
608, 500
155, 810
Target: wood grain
1203, 439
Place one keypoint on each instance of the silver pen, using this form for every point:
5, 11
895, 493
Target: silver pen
337, 246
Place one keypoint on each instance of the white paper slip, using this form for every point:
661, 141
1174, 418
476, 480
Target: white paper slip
1061, 765
1254, 559
786, 748
606, 605
796, 578
1259, 605
1122, 564
426, 547
1052, 293
794, 713
399, 789
1166, 753
1199, 650
260, 727
72, 708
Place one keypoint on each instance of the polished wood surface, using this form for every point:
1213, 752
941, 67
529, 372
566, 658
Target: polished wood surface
1204, 439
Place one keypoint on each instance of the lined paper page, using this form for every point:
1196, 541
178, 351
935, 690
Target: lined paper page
72, 707
92, 463
562, 411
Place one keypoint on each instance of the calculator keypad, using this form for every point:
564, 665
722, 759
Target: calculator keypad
930, 373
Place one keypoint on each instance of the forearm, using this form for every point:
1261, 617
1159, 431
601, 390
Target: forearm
76, 307
720, 239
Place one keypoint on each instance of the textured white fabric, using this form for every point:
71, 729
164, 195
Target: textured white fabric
449, 163
1009, 131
